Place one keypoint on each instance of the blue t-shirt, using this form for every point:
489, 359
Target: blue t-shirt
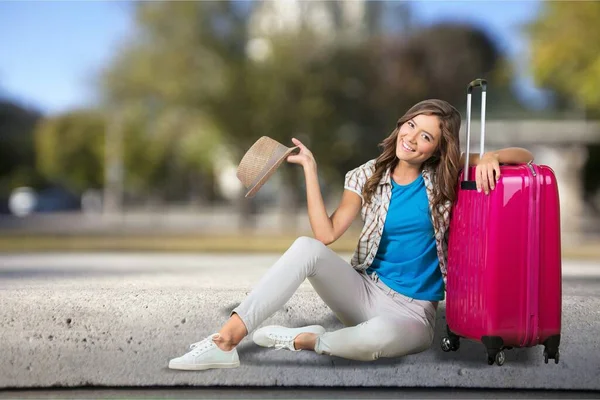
407, 259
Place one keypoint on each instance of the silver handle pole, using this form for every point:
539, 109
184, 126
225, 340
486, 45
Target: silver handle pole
473, 84
482, 145
466, 174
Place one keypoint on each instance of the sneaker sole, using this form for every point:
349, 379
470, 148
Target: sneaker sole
201, 367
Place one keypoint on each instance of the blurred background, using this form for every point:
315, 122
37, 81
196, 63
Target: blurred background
122, 123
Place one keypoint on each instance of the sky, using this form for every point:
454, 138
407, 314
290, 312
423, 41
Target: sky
51, 51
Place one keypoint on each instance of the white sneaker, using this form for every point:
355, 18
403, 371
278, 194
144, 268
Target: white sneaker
281, 337
206, 355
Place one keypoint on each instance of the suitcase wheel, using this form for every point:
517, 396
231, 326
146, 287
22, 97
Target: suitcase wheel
499, 358
551, 346
547, 356
450, 344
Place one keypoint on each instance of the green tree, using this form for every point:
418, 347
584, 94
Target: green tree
17, 156
565, 58
565, 51
341, 95
70, 149
164, 151
165, 80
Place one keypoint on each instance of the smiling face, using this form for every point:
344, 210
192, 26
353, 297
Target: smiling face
418, 139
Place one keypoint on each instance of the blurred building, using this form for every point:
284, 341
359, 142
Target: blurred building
334, 20
326, 18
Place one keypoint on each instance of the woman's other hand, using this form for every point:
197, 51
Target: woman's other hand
487, 172
304, 157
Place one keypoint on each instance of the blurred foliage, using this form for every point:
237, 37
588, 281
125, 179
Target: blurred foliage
566, 59
198, 82
340, 94
163, 149
565, 52
202, 81
70, 148
156, 148
17, 156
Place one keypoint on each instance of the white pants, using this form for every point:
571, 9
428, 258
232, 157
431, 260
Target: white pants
379, 321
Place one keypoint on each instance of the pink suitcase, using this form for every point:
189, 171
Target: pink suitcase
504, 284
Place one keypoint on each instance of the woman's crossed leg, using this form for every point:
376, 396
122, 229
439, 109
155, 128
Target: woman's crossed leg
355, 300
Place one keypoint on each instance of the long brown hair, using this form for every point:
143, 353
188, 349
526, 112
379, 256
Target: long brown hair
444, 163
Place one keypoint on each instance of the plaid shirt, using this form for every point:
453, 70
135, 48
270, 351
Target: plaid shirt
374, 215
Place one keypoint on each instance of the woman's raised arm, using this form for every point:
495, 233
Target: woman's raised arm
325, 229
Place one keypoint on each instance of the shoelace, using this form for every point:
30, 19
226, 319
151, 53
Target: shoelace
202, 345
283, 342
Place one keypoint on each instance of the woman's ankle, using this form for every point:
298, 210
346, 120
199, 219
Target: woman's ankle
225, 343
232, 333
305, 341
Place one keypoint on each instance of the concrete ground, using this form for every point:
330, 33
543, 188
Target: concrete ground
297, 393
114, 320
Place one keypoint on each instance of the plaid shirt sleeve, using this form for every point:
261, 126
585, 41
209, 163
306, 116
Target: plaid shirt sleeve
355, 181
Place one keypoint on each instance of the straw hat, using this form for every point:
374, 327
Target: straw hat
260, 162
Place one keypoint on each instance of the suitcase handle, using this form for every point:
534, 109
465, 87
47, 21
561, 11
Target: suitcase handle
473, 84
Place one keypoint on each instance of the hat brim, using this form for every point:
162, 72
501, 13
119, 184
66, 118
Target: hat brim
263, 179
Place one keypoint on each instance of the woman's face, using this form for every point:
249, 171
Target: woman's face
418, 139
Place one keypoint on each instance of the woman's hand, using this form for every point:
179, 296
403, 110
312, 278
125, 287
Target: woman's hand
484, 172
304, 157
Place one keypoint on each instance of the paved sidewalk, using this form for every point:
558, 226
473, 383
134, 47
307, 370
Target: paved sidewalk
116, 320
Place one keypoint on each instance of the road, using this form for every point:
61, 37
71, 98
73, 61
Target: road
114, 320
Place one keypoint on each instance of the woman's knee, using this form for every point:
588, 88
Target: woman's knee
378, 335
308, 247
388, 337
305, 253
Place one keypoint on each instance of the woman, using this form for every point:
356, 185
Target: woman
387, 296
